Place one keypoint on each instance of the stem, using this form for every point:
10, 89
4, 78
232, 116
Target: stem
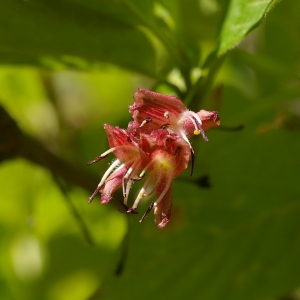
203, 86
174, 87
65, 190
167, 42
35, 152
14, 143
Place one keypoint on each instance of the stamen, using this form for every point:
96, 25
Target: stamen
127, 190
105, 154
147, 212
195, 119
154, 187
146, 121
96, 159
142, 194
95, 193
124, 205
115, 164
129, 174
199, 128
203, 134
109, 171
137, 178
132, 210
146, 168
183, 135
131, 169
139, 197
123, 187
127, 210
165, 126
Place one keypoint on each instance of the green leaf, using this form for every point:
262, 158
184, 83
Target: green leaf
65, 33
241, 18
132, 12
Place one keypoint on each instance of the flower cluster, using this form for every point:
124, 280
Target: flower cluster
155, 148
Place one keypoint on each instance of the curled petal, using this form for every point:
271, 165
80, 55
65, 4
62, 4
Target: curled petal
117, 136
209, 119
112, 183
152, 110
123, 143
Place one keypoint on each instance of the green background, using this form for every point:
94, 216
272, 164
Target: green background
68, 67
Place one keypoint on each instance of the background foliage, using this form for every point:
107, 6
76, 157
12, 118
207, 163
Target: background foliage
68, 67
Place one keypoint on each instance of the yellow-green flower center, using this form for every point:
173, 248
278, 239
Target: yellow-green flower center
163, 162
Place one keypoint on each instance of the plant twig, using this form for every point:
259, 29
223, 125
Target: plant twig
14, 143
202, 87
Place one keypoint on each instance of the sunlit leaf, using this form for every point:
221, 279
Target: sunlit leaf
241, 18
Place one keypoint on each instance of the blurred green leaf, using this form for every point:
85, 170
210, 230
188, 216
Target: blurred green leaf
241, 18
64, 34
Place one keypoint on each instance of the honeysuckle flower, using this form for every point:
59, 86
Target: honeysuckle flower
154, 149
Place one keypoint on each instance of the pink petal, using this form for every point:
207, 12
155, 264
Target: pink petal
162, 211
125, 142
117, 136
182, 157
209, 119
159, 109
112, 183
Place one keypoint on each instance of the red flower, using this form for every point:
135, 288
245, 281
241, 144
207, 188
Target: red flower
154, 146
152, 111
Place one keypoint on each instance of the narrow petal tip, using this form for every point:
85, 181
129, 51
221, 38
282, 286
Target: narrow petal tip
209, 119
